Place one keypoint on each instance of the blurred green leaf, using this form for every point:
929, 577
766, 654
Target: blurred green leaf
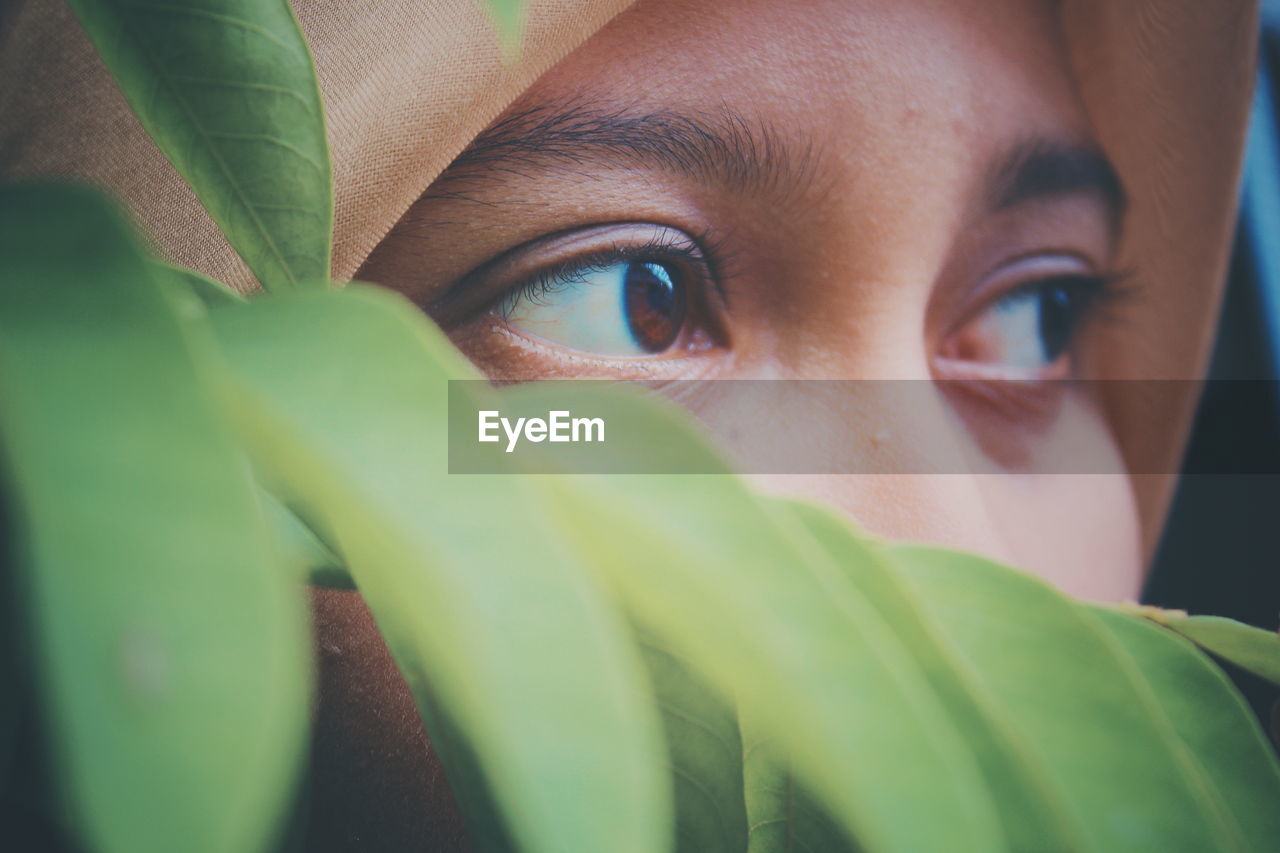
301, 551
1219, 731
1034, 810
704, 752
206, 292
12, 672
1247, 647
173, 656
784, 817
1085, 706
704, 567
227, 90
343, 396
508, 18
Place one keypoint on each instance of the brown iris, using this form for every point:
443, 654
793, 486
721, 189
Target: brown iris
655, 304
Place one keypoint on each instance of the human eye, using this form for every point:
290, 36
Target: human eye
622, 292
613, 307
1028, 328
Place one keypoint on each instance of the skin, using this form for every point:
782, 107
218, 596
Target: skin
872, 255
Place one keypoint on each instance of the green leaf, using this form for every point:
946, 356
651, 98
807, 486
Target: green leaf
508, 18
784, 817
1247, 647
704, 752
495, 627
301, 551
1083, 703
1219, 731
188, 285
12, 674
227, 91
468, 781
173, 656
1031, 804
704, 567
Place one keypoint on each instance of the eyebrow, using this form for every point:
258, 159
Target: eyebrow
721, 146
1043, 169
727, 148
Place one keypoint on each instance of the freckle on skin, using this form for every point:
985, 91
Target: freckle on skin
880, 437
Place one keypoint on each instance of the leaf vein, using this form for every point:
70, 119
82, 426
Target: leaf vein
245, 85
269, 140
192, 116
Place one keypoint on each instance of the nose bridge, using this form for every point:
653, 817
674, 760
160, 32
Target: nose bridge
860, 330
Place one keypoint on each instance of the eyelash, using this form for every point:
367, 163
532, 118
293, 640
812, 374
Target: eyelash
708, 266
1104, 291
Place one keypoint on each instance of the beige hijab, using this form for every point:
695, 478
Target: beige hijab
408, 83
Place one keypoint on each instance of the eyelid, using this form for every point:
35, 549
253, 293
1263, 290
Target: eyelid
551, 255
1024, 274
1017, 273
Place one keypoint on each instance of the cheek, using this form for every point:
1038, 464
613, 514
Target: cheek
1078, 531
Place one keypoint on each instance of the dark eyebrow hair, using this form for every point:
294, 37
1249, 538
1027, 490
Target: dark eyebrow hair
721, 146
724, 147
1042, 168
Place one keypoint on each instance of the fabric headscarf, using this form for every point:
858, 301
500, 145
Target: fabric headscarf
407, 84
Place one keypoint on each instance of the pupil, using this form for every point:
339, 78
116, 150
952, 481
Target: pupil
1057, 313
655, 303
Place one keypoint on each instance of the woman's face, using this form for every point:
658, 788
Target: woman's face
826, 189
